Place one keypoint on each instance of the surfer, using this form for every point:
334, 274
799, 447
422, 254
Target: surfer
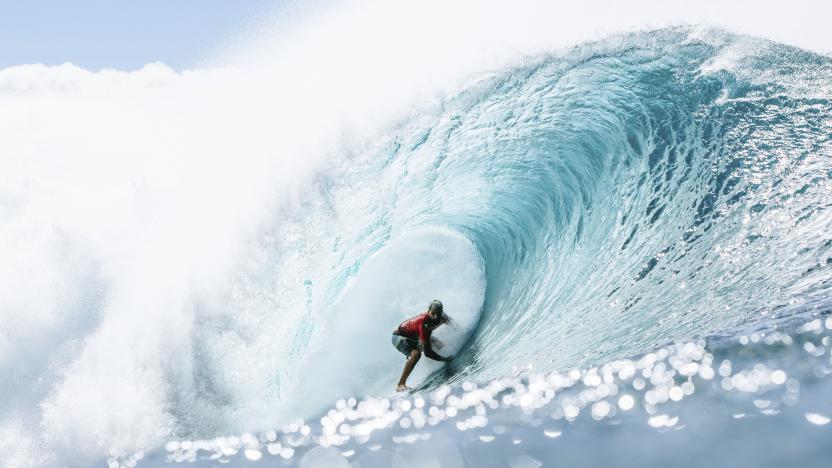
412, 338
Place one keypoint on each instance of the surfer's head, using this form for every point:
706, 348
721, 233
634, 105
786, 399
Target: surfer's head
435, 309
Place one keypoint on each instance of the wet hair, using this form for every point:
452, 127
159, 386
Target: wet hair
437, 306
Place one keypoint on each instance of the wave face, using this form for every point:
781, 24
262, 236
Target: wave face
622, 195
585, 206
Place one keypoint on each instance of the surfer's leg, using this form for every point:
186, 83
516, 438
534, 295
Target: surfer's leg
415, 354
403, 345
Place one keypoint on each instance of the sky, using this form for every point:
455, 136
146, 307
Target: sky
123, 34
127, 34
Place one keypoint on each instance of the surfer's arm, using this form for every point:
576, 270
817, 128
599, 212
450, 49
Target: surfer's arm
429, 352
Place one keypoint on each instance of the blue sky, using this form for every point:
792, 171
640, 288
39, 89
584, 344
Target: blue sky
121, 34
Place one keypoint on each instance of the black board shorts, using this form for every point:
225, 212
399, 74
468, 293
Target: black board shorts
404, 345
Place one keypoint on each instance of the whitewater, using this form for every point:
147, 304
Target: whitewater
630, 224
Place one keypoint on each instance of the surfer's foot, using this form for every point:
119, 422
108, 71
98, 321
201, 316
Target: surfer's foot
402, 388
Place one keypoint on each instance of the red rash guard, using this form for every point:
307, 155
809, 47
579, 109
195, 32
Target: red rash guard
418, 327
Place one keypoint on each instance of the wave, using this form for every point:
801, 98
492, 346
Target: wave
587, 205
621, 195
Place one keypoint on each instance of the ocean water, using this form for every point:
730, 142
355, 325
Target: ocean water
632, 233
647, 246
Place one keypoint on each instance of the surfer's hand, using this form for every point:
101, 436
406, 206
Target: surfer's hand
448, 359
401, 388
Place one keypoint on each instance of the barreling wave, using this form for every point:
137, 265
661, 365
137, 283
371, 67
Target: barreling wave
588, 205
618, 196
622, 195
